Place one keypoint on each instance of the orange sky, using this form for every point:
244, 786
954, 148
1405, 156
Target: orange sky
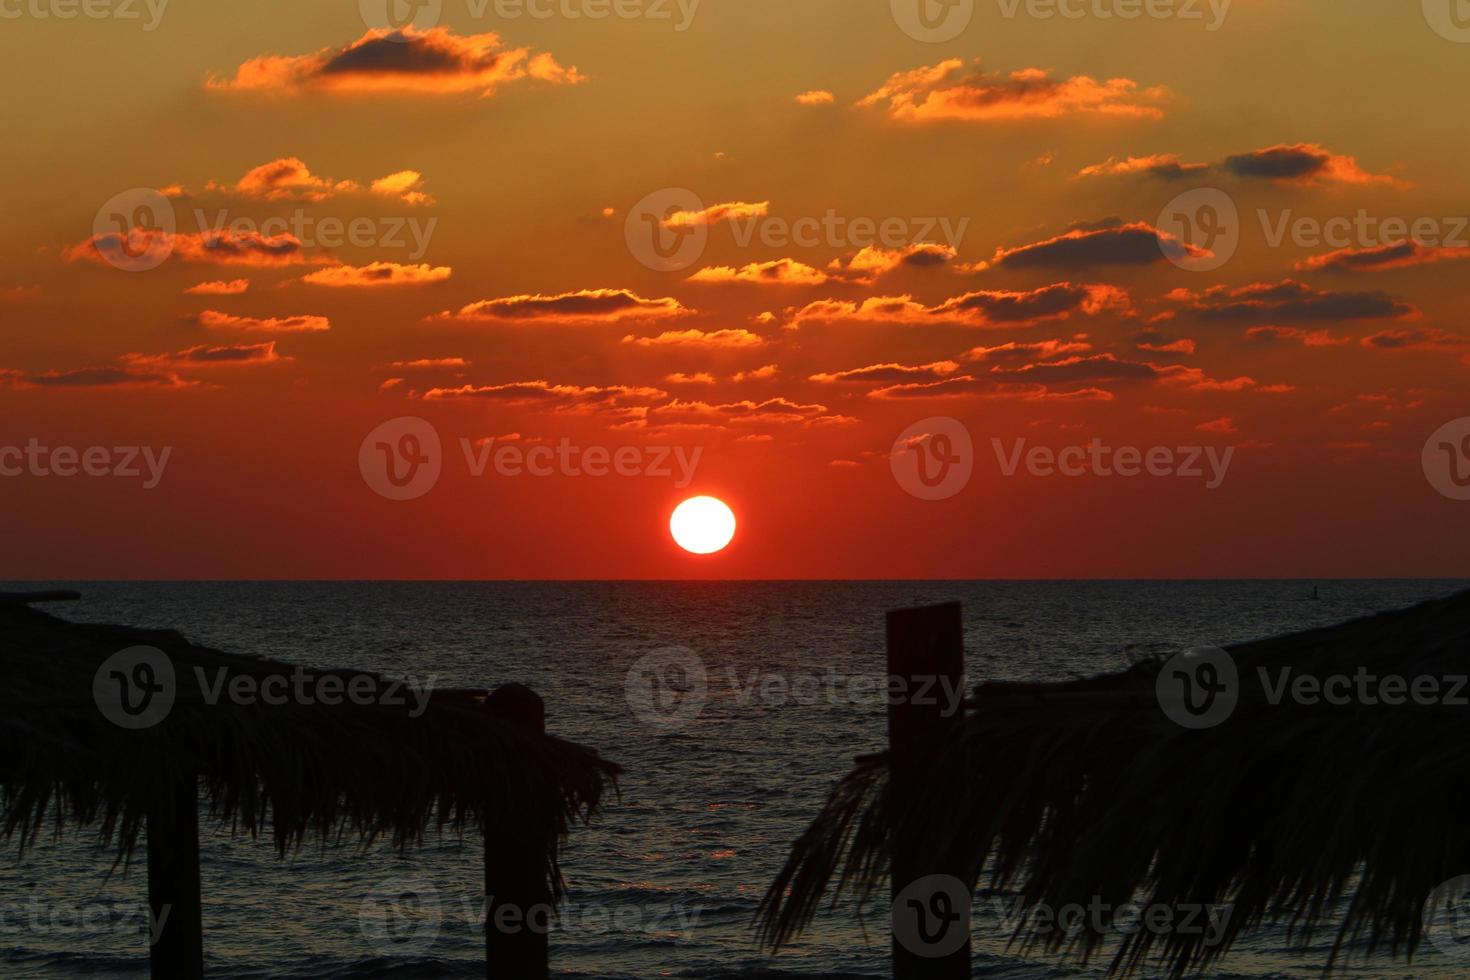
759, 248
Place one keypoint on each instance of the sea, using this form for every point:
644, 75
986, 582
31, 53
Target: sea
666, 879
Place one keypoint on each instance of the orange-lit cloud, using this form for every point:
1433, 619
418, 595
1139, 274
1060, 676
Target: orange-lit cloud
208, 247
1110, 243
1400, 255
986, 308
289, 179
873, 261
1263, 336
376, 274
1304, 163
940, 91
1425, 339
816, 97
206, 356
890, 373
1288, 301
715, 213
1168, 166
430, 362
99, 377
619, 400
583, 306
777, 272
429, 62
215, 320
697, 378
699, 338
405, 185
218, 287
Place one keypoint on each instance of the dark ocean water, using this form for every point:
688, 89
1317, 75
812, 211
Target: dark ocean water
665, 882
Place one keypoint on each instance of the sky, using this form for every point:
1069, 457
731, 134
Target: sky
993, 288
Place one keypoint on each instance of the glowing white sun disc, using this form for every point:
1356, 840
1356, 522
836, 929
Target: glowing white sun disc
702, 525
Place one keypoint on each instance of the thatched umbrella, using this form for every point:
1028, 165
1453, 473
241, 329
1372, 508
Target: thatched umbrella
379, 763
1084, 791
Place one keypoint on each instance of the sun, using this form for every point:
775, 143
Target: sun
702, 525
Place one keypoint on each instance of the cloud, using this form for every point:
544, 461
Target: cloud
983, 308
206, 356
377, 274
940, 92
779, 411
583, 306
1425, 339
425, 363
99, 377
405, 185
715, 213
698, 378
428, 62
1038, 350
763, 373
219, 287
777, 272
1134, 244
1303, 163
619, 401
1400, 255
208, 247
699, 338
1221, 426
1268, 336
214, 320
289, 179
890, 373
1288, 301
1167, 166
873, 261
816, 97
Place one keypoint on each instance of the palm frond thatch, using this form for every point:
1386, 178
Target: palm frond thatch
1073, 792
369, 769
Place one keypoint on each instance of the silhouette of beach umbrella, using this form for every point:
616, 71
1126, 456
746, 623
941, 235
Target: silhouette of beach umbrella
1212, 778
119, 729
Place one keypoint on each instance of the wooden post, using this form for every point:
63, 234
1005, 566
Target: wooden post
173, 880
926, 659
515, 879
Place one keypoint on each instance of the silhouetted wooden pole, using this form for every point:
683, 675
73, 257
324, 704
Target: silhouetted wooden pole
926, 653
515, 879
173, 881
